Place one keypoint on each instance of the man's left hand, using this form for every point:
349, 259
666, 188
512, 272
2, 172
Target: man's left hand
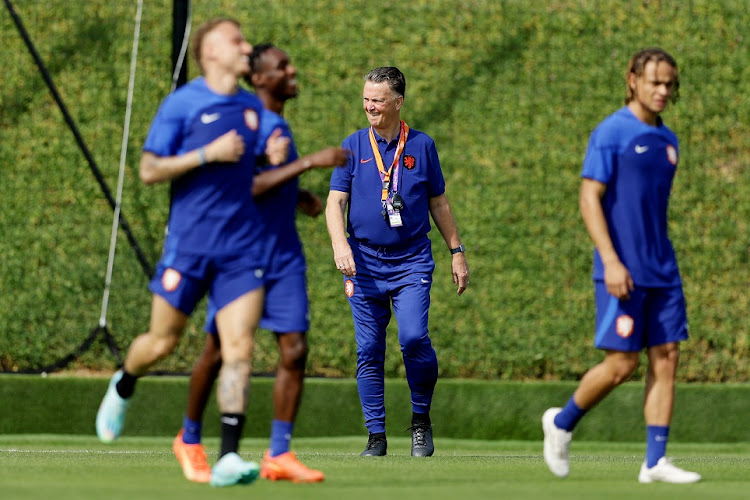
460, 268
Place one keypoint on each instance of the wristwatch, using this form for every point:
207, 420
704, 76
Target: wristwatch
459, 248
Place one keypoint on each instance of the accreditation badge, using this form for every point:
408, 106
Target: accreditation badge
394, 216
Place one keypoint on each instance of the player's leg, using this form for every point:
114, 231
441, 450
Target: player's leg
237, 322
411, 303
166, 327
666, 327
596, 384
619, 332
202, 378
279, 463
290, 375
286, 313
187, 445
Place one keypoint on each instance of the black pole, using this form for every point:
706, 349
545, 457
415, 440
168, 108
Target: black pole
180, 10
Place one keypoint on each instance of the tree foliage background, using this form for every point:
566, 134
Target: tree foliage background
509, 90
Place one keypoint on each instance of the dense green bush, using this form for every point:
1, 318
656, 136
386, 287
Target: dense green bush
509, 90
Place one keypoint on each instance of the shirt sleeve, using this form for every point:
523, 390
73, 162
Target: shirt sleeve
435, 180
600, 159
270, 121
165, 133
341, 177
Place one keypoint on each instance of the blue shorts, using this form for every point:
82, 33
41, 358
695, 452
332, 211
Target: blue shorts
285, 309
651, 317
183, 280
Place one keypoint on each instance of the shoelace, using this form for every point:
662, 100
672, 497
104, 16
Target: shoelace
420, 434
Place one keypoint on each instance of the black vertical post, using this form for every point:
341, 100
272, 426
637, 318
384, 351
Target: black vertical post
179, 24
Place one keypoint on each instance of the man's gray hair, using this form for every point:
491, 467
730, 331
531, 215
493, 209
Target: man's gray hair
395, 78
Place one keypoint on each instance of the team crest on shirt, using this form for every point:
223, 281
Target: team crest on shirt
349, 288
409, 161
672, 154
624, 326
251, 119
170, 280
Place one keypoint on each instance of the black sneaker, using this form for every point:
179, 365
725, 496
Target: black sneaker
421, 440
376, 446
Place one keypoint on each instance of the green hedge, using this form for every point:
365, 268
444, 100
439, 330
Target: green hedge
510, 91
467, 409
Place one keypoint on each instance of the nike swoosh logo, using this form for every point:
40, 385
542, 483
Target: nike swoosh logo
365, 161
230, 420
207, 118
425, 281
640, 149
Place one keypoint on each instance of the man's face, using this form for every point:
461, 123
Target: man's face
653, 89
278, 76
226, 46
381, 104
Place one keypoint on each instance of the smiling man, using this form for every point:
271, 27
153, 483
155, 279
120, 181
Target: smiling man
391, 185
627, 175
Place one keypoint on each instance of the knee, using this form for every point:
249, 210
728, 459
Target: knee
294, 352
413, 342
663, 360
623, 367
369, 352
163, 345
211, 355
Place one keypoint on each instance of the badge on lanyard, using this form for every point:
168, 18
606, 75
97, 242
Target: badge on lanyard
394, 216
392, 206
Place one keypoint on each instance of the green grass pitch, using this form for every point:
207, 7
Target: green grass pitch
67, 467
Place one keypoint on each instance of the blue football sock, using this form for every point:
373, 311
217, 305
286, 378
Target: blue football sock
656, 443
568, 418
281, 436
191, 431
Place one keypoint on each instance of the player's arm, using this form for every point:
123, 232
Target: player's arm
441, 213
226, 148
616, 275
342, 252
269, 179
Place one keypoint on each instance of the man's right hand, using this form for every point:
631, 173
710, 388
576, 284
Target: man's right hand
618, 280
226, 148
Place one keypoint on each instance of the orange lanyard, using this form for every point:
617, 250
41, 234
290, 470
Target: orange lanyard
385, 175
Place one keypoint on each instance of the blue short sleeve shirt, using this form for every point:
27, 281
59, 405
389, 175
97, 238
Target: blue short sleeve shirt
212, 211
637, 163
419, 179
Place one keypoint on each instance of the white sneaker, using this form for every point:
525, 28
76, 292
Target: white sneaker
666, 472
556, 444
111, 415
231, 469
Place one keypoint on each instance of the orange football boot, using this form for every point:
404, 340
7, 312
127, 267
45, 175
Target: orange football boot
192, 458
287, 467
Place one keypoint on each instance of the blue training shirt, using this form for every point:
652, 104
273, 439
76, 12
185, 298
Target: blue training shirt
278, 207
637, 162
211, 211
419, 179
